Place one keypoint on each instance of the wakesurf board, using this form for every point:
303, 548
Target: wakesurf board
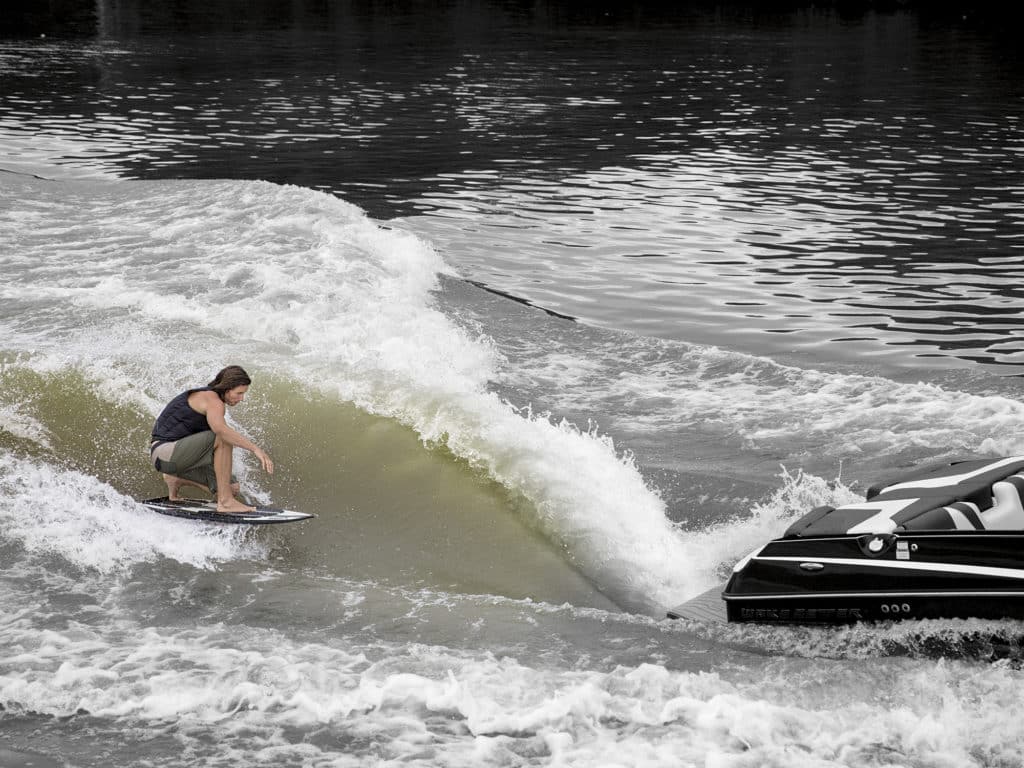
196, 509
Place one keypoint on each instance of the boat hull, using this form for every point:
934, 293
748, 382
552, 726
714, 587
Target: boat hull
880, 577
941, 542
849, 609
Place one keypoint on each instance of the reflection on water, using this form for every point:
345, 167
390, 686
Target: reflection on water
725, 248
787, 184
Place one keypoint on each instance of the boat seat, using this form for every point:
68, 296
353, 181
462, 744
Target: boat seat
1007, 511
960, 516
959, 496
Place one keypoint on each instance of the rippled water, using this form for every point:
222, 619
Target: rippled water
788, 185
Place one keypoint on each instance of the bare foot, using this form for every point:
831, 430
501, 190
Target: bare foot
233, 507
173, 486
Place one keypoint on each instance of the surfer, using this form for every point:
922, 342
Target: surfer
193, 445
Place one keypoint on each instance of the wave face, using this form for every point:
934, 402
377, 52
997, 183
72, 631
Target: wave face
150, 287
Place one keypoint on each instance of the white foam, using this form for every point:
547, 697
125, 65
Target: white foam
442, 707
590, 500
22, 426
658, 386
718, 547
54, 511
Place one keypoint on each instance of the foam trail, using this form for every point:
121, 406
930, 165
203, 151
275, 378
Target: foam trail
659, 386
454, 708
53, 511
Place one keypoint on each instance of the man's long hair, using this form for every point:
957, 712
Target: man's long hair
229, 378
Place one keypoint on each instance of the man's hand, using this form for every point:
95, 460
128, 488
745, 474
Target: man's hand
265, 461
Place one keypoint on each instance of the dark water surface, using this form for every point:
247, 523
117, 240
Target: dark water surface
794, 183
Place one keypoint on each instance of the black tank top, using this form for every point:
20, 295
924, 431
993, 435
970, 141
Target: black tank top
178, 419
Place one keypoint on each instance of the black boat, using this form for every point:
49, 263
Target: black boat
944, 542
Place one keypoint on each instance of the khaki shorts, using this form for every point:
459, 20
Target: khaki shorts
190, 458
